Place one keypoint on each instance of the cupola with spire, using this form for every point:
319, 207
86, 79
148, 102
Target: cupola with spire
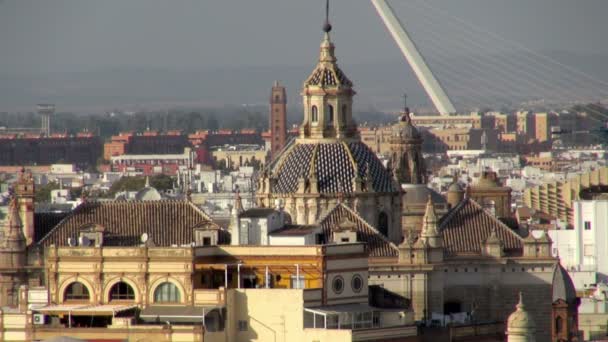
328, 96
328, 164
406, 150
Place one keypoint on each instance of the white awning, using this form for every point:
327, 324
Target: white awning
85, 309
342, 308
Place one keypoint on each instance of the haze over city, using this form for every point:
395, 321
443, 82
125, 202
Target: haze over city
150, 54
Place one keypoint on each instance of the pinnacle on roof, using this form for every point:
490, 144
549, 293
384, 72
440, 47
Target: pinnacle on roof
430, 218
15, 224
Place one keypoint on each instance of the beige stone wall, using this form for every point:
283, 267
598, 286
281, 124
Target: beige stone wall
101, 268
308, 208
489, 286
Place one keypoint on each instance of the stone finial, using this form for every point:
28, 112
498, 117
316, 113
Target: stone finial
520, 324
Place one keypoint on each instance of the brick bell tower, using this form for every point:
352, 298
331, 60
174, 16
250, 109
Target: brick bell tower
278, 119
24, 192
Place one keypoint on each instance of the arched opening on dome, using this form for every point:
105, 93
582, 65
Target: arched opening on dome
330, 115
167, 292
76, 291
122, 291
314, 114
383, 223
343, 115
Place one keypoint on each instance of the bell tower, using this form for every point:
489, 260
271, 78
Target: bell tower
278, 119
24, 193
328, 96
406, 148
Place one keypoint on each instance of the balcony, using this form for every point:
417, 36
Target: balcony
210, 297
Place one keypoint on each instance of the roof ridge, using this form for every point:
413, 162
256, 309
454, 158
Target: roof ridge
371, 227
68, 216
447, 217
323, 217
500, 223
199, 210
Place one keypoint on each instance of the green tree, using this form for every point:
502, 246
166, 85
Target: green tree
127, 184
43, 193
162, 182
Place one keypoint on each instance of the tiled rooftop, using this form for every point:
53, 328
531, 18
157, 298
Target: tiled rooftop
166, 223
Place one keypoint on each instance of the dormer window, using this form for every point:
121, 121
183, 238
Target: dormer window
91, 235
206, 237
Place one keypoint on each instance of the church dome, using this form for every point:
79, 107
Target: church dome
405, 130
335, 165
455, 187
488, 179
521, 320
148, 194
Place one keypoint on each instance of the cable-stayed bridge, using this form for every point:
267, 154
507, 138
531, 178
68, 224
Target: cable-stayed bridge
473, 67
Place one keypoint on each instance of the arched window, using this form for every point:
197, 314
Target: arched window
315, 114
558, 324
383, 223
343, 115
76, 291
122, 291
277, 99
167, 293
330, 115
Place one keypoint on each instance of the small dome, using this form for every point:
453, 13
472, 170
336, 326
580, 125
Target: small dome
521, 319
419, 194
148, 194
405, 130
488, 179
455, 187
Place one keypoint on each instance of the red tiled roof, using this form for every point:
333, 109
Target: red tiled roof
376, 244
468, 225
166, 222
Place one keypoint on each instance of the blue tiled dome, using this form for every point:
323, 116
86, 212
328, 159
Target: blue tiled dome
334, 164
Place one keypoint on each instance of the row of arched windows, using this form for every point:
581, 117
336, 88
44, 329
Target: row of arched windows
330, 114
166, 292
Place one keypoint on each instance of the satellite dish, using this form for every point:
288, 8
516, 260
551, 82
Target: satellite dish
71, 242
144, 237
84, 241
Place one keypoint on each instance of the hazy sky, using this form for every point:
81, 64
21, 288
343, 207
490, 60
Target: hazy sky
80, 35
